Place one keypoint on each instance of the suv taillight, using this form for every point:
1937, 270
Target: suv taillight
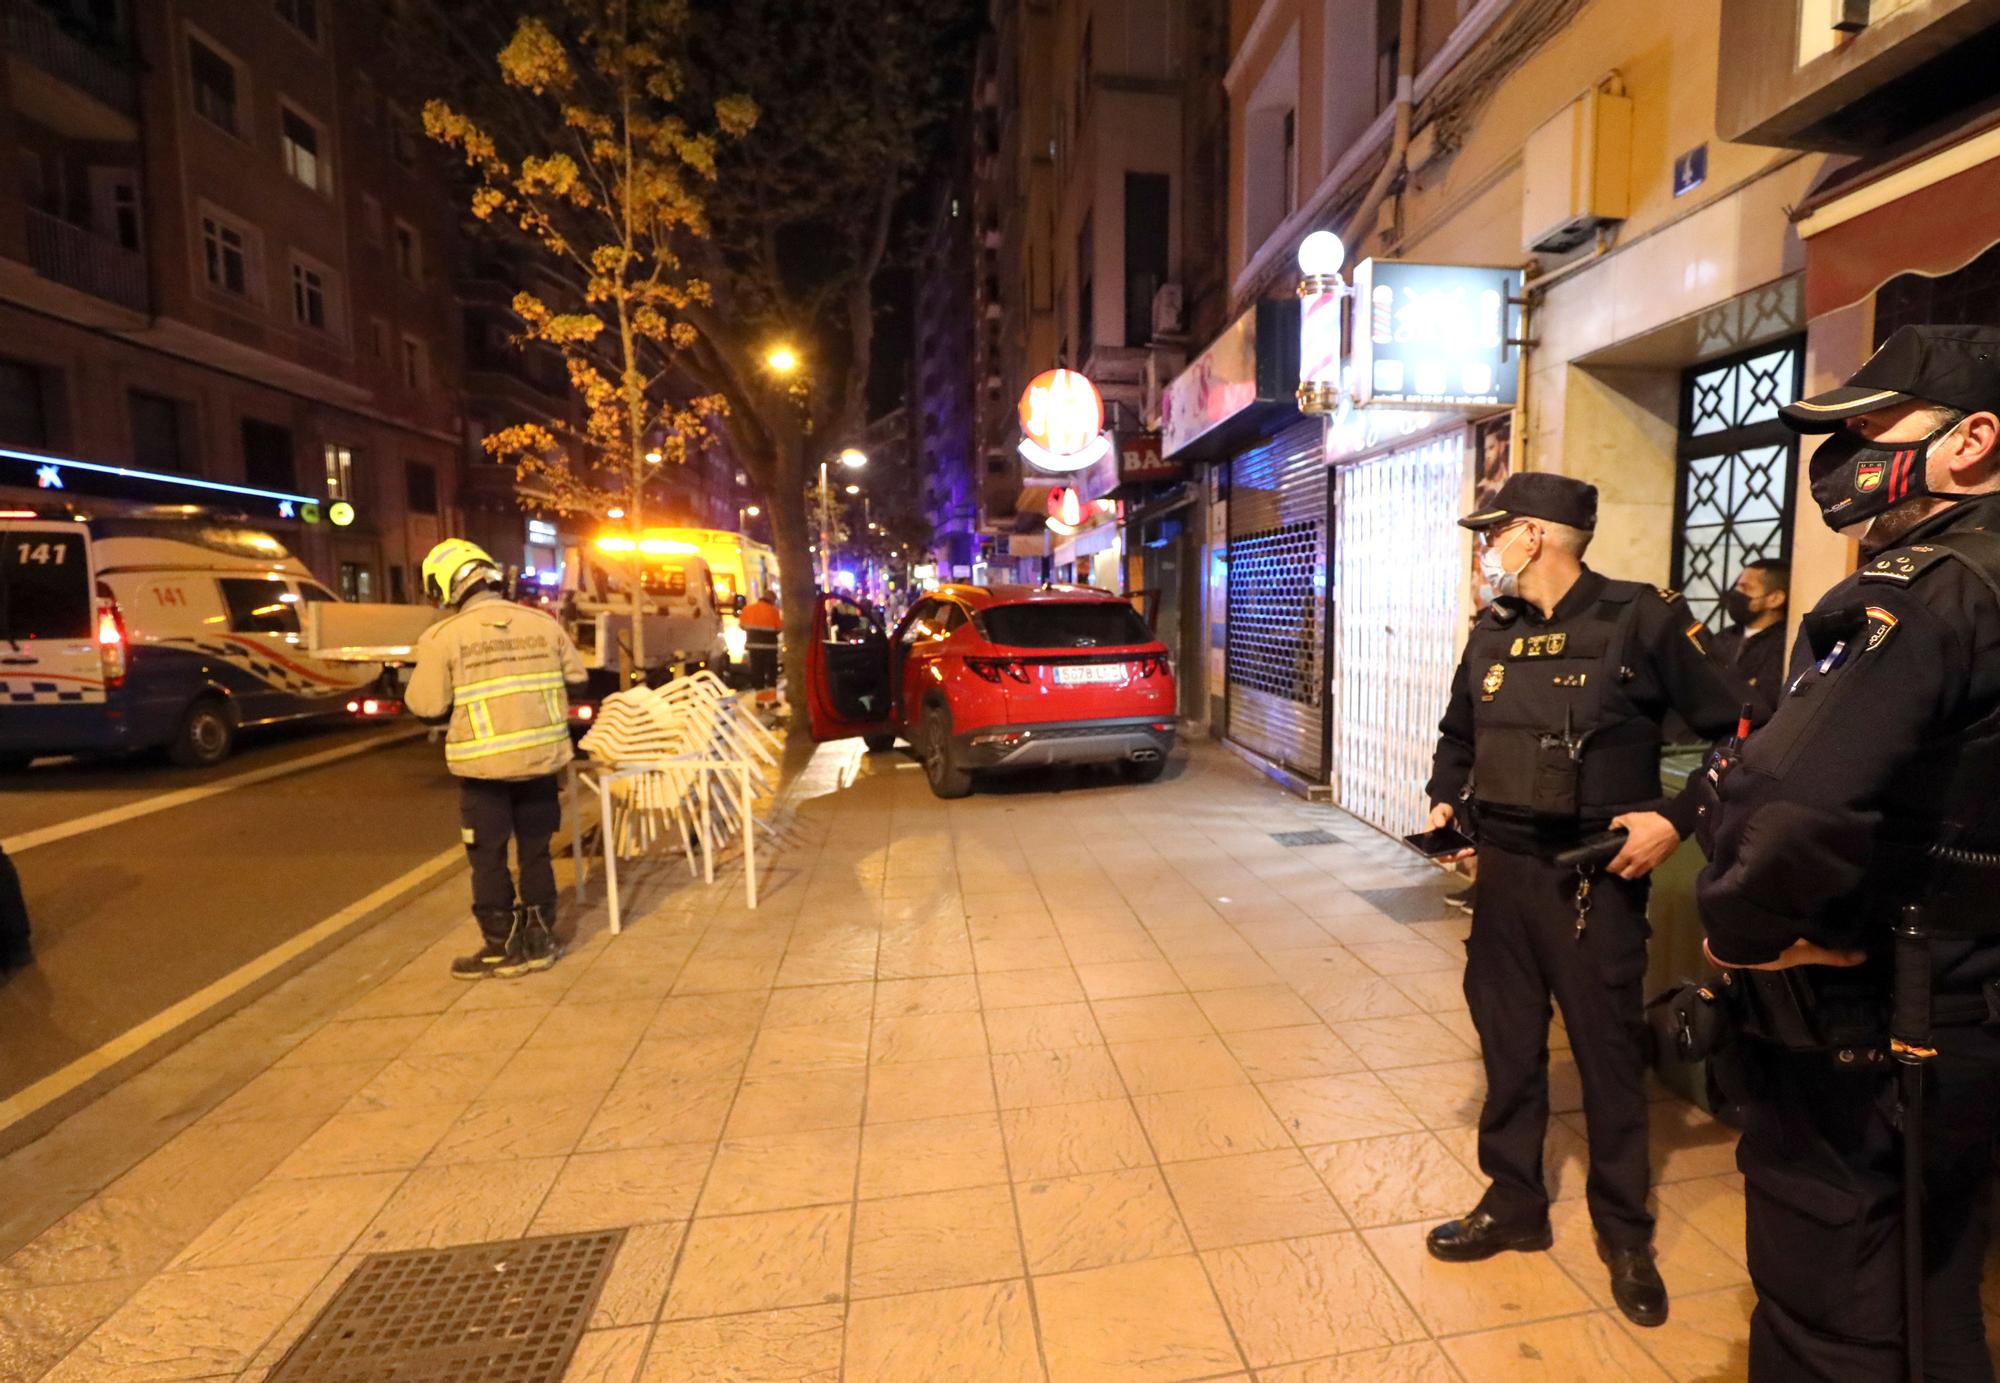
110, 642
1154, 665
990, 669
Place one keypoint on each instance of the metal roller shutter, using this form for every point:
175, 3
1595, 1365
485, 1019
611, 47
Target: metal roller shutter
1275, 663
1398, 565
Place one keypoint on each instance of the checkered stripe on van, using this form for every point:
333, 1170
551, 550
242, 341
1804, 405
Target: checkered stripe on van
29, 692
266, 670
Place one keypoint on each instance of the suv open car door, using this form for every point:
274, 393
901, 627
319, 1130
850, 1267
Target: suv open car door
847, 671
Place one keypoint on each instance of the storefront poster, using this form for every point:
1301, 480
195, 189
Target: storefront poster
1435, 335
1493, 462
1221, 383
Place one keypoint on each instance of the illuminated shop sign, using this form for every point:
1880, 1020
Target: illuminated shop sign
38, 470
1435, 335
1062, 422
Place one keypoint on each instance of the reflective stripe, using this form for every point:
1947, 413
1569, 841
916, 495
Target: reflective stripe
554, 703
481, 718
506, 744
500, 686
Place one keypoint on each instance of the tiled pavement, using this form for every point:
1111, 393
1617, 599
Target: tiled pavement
1092, 1084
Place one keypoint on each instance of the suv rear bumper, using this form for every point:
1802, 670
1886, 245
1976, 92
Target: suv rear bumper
1116, 740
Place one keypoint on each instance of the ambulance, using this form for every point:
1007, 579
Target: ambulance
165, 628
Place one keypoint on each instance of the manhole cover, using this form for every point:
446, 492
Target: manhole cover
509, 1312
1293, 839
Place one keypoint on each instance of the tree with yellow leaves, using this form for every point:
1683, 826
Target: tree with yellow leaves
605, 173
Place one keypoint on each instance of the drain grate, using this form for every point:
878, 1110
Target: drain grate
507, 1312
1291, 840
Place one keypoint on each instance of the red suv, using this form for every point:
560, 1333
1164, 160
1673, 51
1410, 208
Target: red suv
996, 677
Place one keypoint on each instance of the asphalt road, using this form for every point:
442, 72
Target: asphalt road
132, 917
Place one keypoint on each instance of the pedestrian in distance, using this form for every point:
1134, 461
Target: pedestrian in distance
761, 625
1552, 736
499, 674
17, 949
1857, 853
1753, 646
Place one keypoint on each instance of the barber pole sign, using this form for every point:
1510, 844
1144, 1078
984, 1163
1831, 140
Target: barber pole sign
1319, 345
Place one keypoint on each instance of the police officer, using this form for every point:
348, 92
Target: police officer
1553, 735
1877, 785
499, 673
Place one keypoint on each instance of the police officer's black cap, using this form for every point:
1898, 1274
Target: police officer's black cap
1539, 495
1958, 367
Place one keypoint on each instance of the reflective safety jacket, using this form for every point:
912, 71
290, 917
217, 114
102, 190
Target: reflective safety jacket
500, 672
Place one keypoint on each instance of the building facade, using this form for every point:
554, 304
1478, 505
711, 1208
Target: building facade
941, 376
225, 259
1098, 157
1651, 315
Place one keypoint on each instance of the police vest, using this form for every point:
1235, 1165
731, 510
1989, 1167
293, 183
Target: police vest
1555, 730
1941, 811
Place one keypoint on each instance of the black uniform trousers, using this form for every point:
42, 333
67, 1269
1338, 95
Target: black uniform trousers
14, 938
1822, 1172
492, 812
761, 652
1524, 948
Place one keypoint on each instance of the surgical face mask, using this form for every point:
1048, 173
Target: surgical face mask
1855, 479
1736, 604
1493, 569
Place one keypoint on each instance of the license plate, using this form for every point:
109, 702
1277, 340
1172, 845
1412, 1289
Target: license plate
1086, 673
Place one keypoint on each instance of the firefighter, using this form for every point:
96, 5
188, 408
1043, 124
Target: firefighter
1552, 735
499, 673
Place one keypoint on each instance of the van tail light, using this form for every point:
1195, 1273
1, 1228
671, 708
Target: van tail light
111, 643
1154, 665
991, 669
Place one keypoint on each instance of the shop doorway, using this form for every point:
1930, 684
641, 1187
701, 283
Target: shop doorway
1398, 571
1274, 667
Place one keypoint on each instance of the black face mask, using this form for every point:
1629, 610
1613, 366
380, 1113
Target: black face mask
1854, 479
1736, 605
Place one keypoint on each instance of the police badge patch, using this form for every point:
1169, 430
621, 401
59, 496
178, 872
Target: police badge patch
1882, 625
1495, 675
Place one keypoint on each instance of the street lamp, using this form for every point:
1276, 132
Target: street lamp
854, 459
782, 359
653, 458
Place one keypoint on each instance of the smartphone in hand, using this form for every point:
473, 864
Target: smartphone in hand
1446, 840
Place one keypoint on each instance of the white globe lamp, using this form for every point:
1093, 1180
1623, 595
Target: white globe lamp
1321, 254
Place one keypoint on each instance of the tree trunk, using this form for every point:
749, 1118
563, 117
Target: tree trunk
791, 532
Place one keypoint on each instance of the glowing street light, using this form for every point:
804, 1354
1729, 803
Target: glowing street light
653, 458
782, 359
614, 513
753, 511
854, 458
854, 489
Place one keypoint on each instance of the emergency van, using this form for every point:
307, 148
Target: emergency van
171, 628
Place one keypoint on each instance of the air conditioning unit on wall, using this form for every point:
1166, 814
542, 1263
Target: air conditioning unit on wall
1577, 171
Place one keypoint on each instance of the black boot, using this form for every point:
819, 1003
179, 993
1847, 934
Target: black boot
539, 947
500, 955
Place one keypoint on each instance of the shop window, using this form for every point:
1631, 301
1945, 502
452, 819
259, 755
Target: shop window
24, 410
1735, 472
156, 432
267, 456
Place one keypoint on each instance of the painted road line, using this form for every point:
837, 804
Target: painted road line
166, 801
132, 1041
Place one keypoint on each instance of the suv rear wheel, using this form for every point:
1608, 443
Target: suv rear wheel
941, 767
206, 735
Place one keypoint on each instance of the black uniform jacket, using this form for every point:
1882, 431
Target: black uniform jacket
1758, 659
1809, 817
1665, 667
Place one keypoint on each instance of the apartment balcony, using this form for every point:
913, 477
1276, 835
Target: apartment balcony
83, 260
67, 82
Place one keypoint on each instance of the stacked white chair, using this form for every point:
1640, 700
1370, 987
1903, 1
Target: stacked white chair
683, 762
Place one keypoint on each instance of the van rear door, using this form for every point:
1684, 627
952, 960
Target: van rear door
49, 652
